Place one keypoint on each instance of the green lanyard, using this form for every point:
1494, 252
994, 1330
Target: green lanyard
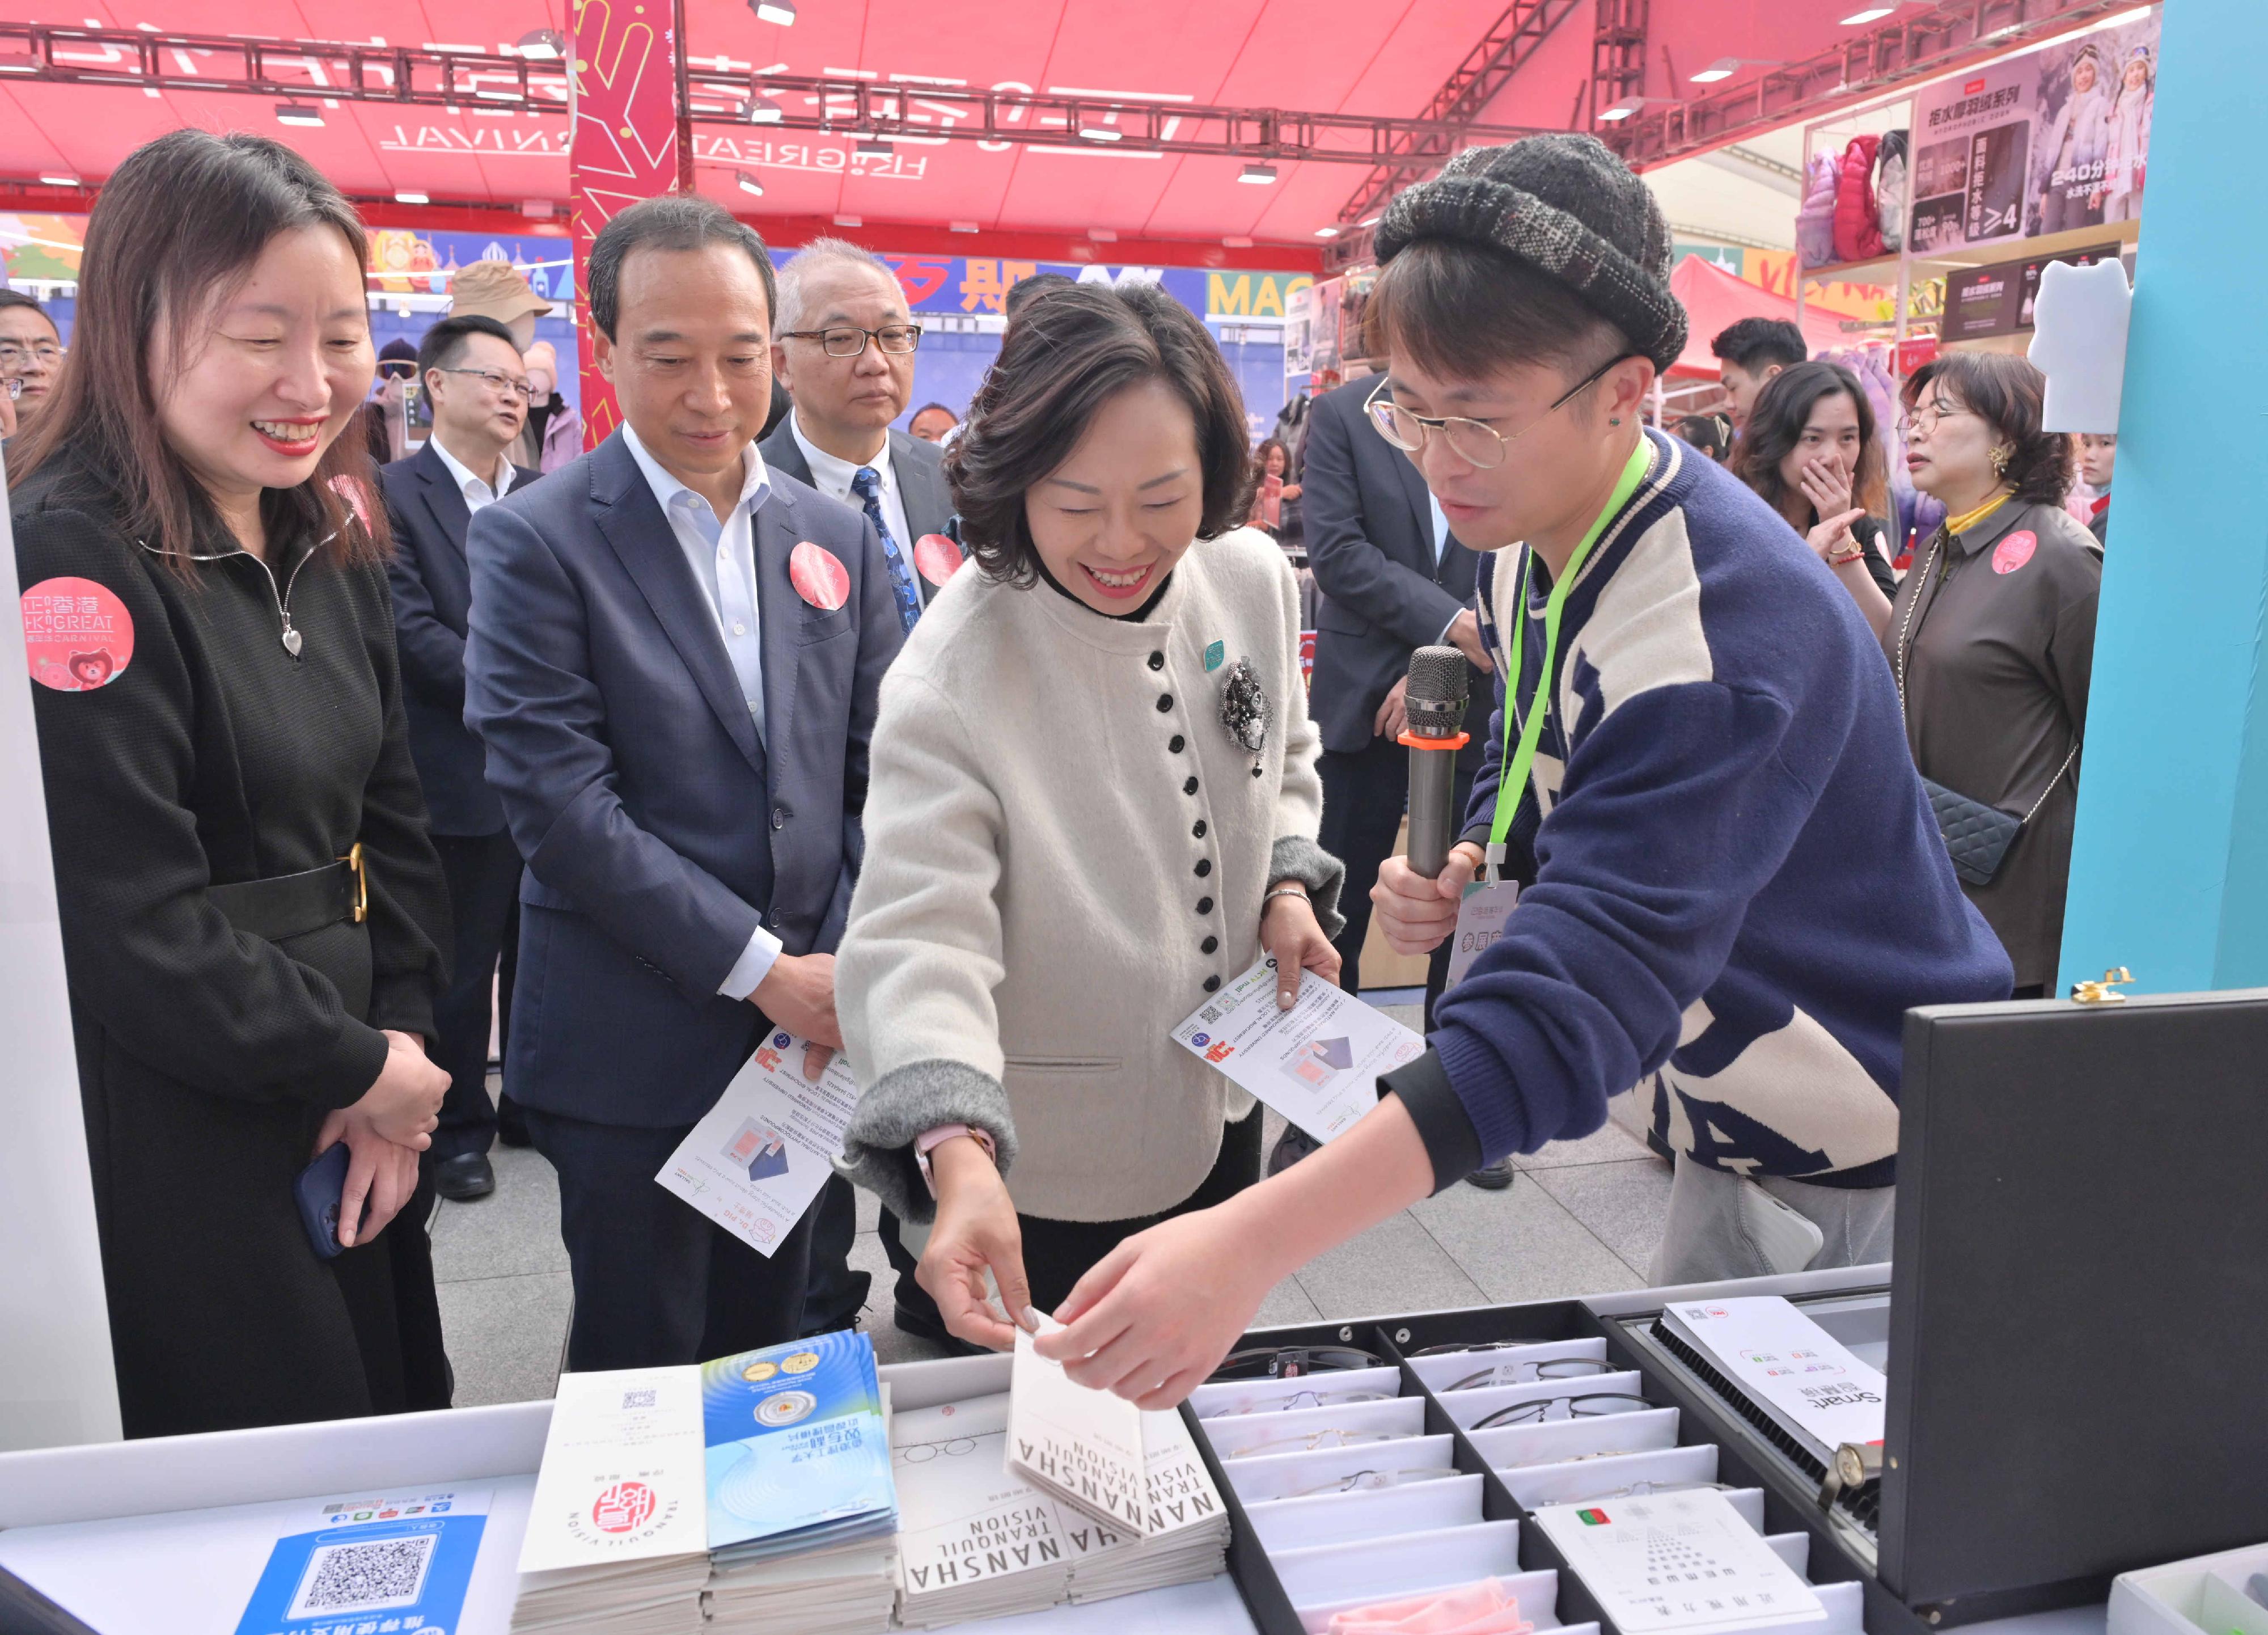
1519, 762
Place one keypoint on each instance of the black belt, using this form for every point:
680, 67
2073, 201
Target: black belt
292, 905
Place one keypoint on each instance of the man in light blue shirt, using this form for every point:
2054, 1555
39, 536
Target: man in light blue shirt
674, 665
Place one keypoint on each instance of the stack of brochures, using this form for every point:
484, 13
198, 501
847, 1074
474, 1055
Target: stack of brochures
1784, 1366
802, 1511
1187, 1536
976, 1540
755, 1489
660, 1596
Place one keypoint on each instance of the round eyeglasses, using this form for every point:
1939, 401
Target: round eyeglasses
1296, 1400
1590, 1407
1367, 1481
842, 341
922, 1453
1311, 1443
1476, 442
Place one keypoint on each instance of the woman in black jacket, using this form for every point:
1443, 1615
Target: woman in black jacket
1810, 449
251, 910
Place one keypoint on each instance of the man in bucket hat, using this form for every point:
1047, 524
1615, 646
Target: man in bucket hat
1732, 889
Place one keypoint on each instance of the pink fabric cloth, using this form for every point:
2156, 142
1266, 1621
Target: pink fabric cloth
1484, 1609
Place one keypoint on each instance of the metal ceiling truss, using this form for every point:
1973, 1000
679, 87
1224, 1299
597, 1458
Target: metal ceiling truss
877, 114
1919, 45
1617, 55
1487, 68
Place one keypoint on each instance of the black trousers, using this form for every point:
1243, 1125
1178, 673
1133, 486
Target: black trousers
836, 1294
1058, 1253
657, 1282
1364, 793
484, 875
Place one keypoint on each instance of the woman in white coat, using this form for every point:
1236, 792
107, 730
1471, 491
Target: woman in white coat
1093, 802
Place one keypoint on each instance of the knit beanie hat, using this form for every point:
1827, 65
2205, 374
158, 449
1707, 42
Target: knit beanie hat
1569, 207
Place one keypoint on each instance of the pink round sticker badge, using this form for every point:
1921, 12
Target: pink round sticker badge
818, 575
77, 635
938, 557
2015, 551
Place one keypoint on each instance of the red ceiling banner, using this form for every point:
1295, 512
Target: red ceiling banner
624, 149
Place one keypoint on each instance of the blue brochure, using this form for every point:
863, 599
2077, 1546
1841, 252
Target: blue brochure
385, 1564
798, 1455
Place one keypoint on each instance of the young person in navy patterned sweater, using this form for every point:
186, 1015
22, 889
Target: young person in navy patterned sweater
1735, 888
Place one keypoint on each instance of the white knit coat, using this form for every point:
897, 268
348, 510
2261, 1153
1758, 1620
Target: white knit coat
1064, 845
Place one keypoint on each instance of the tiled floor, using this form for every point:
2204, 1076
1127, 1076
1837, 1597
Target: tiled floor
1582, 1219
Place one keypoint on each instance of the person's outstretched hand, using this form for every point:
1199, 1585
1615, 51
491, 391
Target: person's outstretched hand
1157, 1313
976, 1230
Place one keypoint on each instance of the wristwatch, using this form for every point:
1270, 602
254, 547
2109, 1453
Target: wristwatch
931, 1139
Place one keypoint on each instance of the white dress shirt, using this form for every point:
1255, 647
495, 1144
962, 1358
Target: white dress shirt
723, 556
477, 492
1441, 544
832, 477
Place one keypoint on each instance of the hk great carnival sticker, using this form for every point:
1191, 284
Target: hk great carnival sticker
77, 635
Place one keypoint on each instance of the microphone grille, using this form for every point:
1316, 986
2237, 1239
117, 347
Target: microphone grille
1438, 691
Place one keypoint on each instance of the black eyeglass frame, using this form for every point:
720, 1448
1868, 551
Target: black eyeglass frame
1292, 1362
865, 335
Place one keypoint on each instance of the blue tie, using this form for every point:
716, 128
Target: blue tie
866, 484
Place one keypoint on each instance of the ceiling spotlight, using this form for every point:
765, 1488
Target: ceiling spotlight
18, 63
545, 45
1238, 242
1327, 233
1373, 221
749, 184
871, 148
58, 180
762, 111
412, 198
1102, 132
1628, 105
297, 114
964, 226
1726, 67
1876, 13
780, 12
850, 221
1259, 175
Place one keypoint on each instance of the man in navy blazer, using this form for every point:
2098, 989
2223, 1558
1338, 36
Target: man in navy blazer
674, 664
472, 372
1393, 580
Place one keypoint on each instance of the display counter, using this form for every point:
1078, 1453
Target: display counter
171, 1533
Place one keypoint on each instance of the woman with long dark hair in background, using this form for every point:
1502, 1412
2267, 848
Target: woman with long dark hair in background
1811, 451
252, 911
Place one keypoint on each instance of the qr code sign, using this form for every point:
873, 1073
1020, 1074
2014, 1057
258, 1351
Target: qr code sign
1211, 1013
365, 1576
637, 1399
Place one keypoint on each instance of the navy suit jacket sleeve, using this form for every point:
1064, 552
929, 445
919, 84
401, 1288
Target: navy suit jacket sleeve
1348, 567
432, 654
529, 696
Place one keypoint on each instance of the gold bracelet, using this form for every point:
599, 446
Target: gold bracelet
1857, 553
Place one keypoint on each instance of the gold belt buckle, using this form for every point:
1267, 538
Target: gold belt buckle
353, 860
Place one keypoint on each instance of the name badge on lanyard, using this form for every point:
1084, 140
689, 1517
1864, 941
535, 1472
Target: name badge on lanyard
1487, 905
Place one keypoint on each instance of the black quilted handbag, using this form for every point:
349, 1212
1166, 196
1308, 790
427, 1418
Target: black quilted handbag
1978, 835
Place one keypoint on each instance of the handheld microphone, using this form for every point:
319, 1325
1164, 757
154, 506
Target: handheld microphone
1435, 704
